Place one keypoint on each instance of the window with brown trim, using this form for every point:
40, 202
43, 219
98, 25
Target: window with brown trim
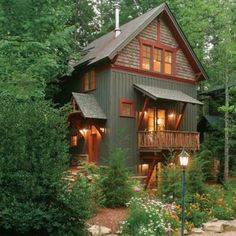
157, 59
147, 62
126, 107
89, 81
168, 62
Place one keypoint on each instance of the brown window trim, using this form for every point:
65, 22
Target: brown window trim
164, 48
127, 101
92, 85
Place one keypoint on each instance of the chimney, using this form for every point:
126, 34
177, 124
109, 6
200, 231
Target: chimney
117, 11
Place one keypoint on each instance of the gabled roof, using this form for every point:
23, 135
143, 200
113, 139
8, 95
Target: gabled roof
167, 94
89, 106
107, 46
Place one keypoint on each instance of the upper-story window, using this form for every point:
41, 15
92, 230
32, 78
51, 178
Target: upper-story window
89, 81
157, 59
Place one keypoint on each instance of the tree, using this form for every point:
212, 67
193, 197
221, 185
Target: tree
35, 44
35, 198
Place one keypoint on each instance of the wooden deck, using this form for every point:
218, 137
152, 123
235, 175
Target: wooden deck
167, 139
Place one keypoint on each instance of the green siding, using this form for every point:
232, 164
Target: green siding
122, 87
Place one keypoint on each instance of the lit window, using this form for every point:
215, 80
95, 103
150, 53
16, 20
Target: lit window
151, 120
168, 63
161, 116
126, 107
157, 59
89, 80
146, 63
73, 140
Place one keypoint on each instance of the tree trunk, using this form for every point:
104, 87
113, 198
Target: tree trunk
226, 162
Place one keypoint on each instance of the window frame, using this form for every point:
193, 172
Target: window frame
130, 102
91, 80
164, 48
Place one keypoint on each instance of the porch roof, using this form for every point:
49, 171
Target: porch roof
168, 94
89, 106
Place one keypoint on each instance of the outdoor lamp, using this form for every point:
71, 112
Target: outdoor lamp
183, 158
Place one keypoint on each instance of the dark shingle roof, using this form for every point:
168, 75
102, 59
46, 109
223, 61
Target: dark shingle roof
108, 45
89, 106
168, 94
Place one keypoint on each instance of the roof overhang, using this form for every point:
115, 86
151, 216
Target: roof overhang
166, 94
89, 106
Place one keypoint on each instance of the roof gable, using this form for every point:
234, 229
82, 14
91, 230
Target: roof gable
108, 45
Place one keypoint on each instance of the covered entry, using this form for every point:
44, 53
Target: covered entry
88, 122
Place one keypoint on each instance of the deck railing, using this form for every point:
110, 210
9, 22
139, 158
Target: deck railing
166, 139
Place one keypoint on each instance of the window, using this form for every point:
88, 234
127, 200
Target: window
168, 63
157, 59
126, 107
156, 119
89, 82
146, 57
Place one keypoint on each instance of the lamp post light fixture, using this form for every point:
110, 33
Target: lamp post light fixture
183, 158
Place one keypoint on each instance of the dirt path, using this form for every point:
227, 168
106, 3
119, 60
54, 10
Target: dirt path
109, 217
215, 234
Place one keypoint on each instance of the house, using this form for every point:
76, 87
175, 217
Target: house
136, 88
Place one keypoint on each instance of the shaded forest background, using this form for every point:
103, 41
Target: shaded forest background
40, 41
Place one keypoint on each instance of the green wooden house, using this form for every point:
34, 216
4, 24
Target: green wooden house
136, 88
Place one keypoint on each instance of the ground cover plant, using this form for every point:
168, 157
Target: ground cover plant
148, 216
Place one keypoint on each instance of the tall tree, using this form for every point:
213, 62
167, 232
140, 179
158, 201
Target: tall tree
35, 44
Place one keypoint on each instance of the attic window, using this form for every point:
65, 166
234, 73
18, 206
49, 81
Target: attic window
157, 59
89, 81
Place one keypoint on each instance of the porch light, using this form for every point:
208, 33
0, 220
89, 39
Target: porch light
158, 121
171, 115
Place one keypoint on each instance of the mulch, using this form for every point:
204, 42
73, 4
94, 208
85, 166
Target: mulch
109, 217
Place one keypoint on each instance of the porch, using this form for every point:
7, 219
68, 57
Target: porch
167, 139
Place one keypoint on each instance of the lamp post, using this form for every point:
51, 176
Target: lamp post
183, 158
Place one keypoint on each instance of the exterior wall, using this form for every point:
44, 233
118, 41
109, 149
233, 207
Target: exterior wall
124, 130
130, 55
103, 96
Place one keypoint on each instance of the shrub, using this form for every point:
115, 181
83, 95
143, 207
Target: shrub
170, 184
195, 177
115, 180
150, 217
33, 159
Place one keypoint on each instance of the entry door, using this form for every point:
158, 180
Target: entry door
93, 145
156, 119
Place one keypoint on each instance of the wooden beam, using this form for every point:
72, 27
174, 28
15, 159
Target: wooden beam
180, 116
150, 171
143, 110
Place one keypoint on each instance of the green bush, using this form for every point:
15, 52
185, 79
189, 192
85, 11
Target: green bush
33, 159
115, 180
170, 184
195, 177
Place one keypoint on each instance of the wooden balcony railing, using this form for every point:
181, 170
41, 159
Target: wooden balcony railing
166, 139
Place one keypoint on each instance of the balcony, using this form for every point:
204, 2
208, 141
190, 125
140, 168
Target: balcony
165, 139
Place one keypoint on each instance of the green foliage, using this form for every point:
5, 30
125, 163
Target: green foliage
196, 176
170, 184
115, 180
35, 198
150, 217
36, 41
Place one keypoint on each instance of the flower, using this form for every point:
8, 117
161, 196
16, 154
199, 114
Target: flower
168, 229
136, 189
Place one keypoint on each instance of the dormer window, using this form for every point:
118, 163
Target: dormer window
89, 81
157, 59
